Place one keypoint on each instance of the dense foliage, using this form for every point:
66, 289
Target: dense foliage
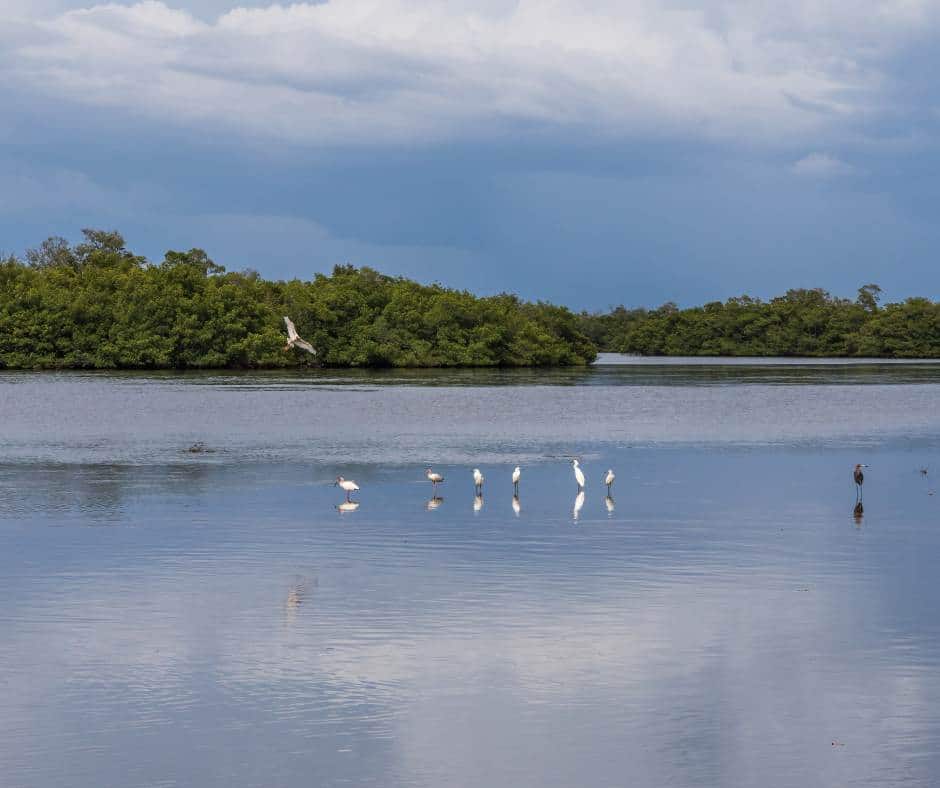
800, 323
96, 305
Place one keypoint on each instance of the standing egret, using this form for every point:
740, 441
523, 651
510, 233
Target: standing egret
859, 480
578, 474
347, 484
294, 340
478, 481
516, 475
609, 480
578, 503
434, 478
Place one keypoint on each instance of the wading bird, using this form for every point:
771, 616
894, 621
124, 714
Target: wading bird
434, 478
859, 480
609, 480
293, 338
516, 475
478, 481
578, 474
347, 484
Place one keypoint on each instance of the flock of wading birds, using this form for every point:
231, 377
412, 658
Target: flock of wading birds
349, 486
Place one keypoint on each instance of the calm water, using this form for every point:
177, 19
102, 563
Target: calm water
177, 619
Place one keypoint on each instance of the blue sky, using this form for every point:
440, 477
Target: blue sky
590, 153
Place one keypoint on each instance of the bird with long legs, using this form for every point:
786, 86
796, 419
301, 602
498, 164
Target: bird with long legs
609, 479
434, 478
859, 480
348, 485
516, 475
478, 481
578, 474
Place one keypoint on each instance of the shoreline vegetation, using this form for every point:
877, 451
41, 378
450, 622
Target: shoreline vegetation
96, 305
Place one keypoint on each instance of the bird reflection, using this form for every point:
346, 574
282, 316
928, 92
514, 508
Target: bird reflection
432, 504
858, 513
610, 503
516, 506
578, 503
347, 506
477, 502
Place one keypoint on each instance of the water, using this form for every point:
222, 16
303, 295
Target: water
177, 619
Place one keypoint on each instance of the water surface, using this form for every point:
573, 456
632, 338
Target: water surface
211, 619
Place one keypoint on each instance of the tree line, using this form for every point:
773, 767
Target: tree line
97, 305
803, 322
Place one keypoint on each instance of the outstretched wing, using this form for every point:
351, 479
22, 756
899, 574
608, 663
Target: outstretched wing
303, 344
292, 334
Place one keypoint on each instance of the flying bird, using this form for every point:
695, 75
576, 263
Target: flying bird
516, 475
293, 338
578, 474
347, 484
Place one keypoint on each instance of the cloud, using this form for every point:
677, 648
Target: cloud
362, 71
822, 165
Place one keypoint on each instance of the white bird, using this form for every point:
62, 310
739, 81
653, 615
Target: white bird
578, 474
293, 338
609, 479
478, 480
347, 484
434, 478
578, 503
516, 506
516, 475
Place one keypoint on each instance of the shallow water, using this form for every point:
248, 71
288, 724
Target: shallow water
211, 619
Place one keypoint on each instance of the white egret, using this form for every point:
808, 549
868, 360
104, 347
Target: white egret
434, 478
578, 474
478, 480
516, 475
578, 503
516, 506
346, 484
294, 340
609, 479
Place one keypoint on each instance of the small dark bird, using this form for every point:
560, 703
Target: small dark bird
859, 479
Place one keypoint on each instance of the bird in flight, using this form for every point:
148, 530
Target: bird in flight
294, 339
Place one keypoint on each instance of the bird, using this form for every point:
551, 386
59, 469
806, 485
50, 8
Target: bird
859, 479
516, 475
478, 480
347, 484
434, 478
293, 338
578, 503
578, 474
609, 480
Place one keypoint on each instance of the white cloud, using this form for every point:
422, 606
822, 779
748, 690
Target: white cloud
401, 71
821, 165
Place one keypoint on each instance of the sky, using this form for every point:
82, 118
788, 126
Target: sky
591, 153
